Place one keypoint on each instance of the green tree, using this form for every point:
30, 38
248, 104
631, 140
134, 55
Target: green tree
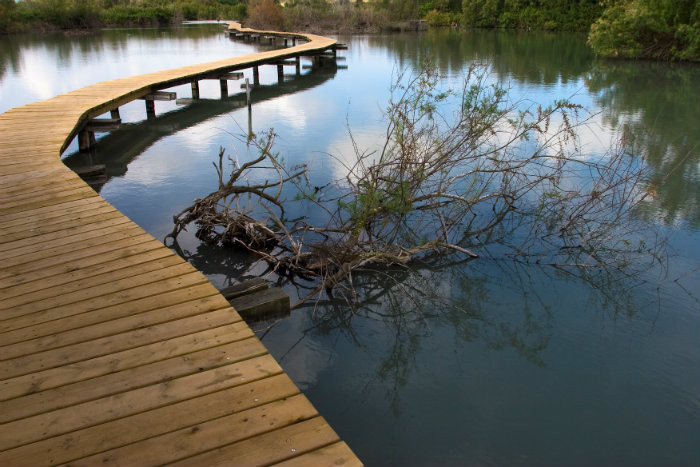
7, 10
656, 29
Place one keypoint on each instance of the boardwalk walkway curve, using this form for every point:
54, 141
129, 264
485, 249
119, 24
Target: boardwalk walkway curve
114, 350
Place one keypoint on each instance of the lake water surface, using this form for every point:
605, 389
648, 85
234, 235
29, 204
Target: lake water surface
489, 361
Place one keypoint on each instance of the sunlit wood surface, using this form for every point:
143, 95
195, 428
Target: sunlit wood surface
113, 350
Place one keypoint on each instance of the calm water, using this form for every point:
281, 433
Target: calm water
490, 362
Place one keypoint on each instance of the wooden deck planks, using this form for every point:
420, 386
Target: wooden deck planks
113, 350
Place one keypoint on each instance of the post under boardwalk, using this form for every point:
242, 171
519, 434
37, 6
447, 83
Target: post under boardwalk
113, 350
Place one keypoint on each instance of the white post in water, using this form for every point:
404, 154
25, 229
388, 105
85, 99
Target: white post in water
250, 108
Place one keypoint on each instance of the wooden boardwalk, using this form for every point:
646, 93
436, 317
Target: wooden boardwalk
113, 350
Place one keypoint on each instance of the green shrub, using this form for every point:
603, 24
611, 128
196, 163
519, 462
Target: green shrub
655, 29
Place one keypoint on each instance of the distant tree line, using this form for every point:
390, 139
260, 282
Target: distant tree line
654, 29
18, 16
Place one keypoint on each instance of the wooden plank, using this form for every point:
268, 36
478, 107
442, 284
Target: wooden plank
16, 348
93, 270
246, 287
82, 284
121, 298
192, 296
160, 96
103, 124
334, 454
46, 228
12, 248
98, 347
276, 446
87, 192
51, 210
130, 379
55, 214
64, 264
131, 358
61, 421
24, 193
39, 252
208, 435
96, 287
262, 304
95, 439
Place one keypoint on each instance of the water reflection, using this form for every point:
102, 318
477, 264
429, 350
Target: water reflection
120, 147
487, 363
34, 66
658, 106
539, 59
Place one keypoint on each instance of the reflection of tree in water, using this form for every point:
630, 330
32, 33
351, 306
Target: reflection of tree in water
66, 47
213, 260
657, 105
497, 303
9, 55
531, 58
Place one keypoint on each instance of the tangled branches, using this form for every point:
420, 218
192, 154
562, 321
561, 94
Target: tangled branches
453, 170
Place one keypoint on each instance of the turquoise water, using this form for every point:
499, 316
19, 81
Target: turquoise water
487, 361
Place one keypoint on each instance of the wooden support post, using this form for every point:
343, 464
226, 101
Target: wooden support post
297, 63
195, 89
250, 109
114, 113
244, 288
256, 76
261, 305
234, 75
294, 41
280, 73
285, 42
150, 109
160, 96
102, 124
86, 140
224, 88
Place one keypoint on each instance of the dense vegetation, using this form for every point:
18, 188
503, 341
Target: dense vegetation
574, 15
655, 29
78, 14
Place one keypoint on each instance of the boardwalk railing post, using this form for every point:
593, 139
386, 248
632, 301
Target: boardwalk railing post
86, 140
250, 109
150, 109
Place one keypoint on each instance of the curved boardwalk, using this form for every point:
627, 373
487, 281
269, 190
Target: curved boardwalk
113, 350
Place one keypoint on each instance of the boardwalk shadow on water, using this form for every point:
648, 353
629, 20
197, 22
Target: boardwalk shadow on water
119, 148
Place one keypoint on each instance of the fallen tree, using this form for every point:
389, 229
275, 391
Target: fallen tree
454, 170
